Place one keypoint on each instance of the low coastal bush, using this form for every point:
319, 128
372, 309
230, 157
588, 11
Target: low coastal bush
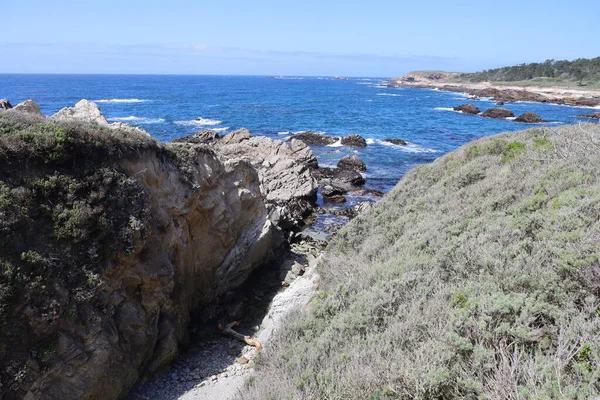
477, 277
65, 211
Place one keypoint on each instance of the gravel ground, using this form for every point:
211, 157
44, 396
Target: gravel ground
217, 368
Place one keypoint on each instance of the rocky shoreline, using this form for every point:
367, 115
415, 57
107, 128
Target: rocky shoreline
446, 82
217, 209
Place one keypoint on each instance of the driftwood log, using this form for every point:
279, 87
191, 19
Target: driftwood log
228, 331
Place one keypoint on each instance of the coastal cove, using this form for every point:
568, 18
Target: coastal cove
170, 107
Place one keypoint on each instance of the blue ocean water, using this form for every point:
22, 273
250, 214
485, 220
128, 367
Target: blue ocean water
170, 107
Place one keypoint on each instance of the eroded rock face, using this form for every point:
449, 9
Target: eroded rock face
284, 171
498, 113
354, 141
85, 111
529, 118
352, 163
29, 106
5, 104
208, 228
467, 109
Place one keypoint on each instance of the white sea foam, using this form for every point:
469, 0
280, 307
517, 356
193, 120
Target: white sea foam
447, 109
511, 118
199, 122
284, 133
120, 101
389, 94
370, 141
219, 129
409, 148
137, 120
338, 143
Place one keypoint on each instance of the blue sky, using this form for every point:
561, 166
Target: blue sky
266, 37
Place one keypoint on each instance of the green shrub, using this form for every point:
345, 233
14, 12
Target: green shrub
476, 277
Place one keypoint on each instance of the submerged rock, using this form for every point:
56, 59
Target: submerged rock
352, 163
310, 137
498, 113
398, 142
204, 136
354, 141
29, 106
591, 116
529, 118
467, 109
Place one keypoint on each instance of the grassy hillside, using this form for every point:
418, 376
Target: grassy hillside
581, 71
477, 277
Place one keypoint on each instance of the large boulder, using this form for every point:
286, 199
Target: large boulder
310, 137
5, 104
498, 113
354, 140
284, 171
529, 118
344, 178
333, 194
467, 109
30, 107
353, 163
85, 111
397, 142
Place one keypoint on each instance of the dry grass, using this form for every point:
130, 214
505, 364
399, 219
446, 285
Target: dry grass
477, 277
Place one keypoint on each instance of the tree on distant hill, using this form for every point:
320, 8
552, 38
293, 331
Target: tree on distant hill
579, 70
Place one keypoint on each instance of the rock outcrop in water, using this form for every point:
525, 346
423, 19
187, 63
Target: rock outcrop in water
353, 163
113, 239
397, 142
467, 109
497, 113
310, 137
353, 140
529, 118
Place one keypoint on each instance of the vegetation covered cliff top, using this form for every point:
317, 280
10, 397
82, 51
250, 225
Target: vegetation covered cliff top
551, 72
477, 277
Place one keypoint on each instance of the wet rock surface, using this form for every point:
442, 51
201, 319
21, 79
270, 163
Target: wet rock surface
529, 118
467, 109
497, 113
353, 163
353, 141
397, 142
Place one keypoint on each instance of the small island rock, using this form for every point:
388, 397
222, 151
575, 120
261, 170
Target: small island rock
529, 118
498, 113
352, 163
398, 142
467, 109
354, 141
310, 137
